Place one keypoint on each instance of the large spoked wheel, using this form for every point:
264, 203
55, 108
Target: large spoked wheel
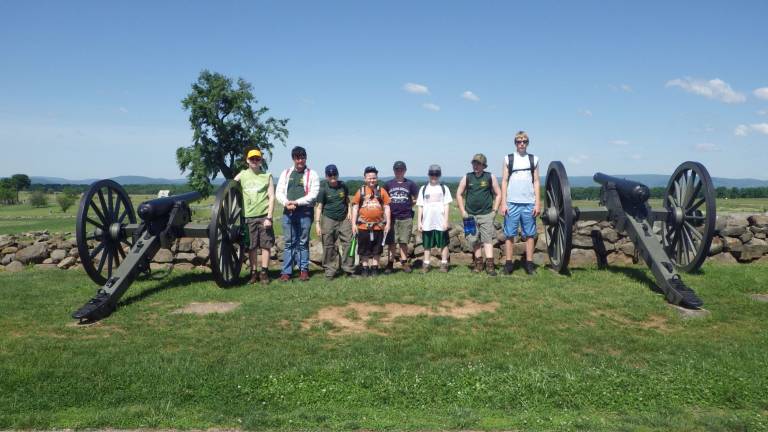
558, 217
224, 234
104, 211
690, 225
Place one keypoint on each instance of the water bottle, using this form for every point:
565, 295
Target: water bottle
470, 227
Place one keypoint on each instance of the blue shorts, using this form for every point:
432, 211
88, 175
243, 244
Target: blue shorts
519, 215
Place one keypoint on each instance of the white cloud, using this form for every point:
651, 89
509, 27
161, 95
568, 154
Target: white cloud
636, 156
620, 142
626, 88
713, 89
744, 130
577, 159
415, 88
431, 107
468, 95
761, 93
762, 112
123, 110
585, 112
706, 147
760, 127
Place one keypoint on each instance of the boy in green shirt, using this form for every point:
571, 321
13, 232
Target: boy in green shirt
258, 203
332, 222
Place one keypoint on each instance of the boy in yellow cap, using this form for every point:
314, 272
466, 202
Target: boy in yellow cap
258, 203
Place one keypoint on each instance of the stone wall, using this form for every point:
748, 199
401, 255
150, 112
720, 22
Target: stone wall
738, 240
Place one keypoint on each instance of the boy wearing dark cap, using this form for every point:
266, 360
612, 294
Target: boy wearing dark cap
258, 203
332, 223
402, 193
434, 201
478, 197
371, 219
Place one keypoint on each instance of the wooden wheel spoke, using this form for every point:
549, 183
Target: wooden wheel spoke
93, 222
104, 206
98, 212
103, 259
96, 250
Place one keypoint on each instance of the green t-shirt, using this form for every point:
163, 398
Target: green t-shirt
255, 192
479, 194
296, 187
334, 200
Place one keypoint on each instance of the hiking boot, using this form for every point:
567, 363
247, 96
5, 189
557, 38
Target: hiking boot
254, 278
425, 268
352, 275
406, 267
389, 268
304, 276
263, 277
478, 265
508, 267
285, 277
364, 272
528, 265
374, 271
443, 267
490, 268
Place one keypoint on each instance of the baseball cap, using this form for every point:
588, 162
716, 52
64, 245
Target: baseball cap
253, 153
480, 158
398, 165
434, 169
331, 170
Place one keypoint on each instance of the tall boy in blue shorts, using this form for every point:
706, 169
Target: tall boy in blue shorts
520, 200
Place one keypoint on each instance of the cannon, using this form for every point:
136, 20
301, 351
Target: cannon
687, 217
114, 249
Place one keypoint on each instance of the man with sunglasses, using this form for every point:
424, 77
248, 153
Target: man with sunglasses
520, 200
258, 203
332, 222
297, 191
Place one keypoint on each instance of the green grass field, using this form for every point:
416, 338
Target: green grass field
594, 351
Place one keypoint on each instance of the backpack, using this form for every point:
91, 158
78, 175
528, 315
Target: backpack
424, 188
511, 165
376, 195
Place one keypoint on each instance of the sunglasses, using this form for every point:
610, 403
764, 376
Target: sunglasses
255, 159
434, 173
521, 142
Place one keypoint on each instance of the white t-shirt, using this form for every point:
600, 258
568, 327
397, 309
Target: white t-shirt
520, 187
433, 201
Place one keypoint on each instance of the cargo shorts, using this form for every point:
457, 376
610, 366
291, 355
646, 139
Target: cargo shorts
485, 231
261, 237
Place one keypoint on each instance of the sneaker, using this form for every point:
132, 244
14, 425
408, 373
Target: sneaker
406, 267
508, 267
285, 277
304, 276
478, 265
389, 268
443, 267
263, 277
528, 265
374, 271
490, 268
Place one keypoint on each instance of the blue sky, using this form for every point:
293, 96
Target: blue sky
93, 89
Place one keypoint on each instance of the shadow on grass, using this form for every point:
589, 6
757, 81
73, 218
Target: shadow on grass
170, 282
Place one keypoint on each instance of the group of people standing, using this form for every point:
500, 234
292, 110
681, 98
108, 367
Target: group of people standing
367, 220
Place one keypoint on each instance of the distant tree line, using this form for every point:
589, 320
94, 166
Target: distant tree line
10, 187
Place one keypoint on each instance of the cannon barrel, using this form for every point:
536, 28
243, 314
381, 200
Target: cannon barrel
636, 192
159, 207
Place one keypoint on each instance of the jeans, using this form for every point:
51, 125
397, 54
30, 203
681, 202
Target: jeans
296, 226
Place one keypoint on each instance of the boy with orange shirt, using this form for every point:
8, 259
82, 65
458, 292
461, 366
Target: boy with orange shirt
371, 221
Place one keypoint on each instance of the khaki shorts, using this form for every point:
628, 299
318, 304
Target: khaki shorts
400, 233
260, 236
486, 232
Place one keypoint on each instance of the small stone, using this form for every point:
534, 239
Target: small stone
35, 253
74, 252
184, 257
758, 230
717, 246
7, 259
582, 258
540, 259
203, 269
733, 244
67, 262
609, 234
15, 266
759, 220
734, 227
58, 255
185, 244
628, 248
184, 266
48, 261
747, 236
46, 266
755, 249
163, 256
8, 250
585, 224
582, 241
723, 258
619, 258
160, 266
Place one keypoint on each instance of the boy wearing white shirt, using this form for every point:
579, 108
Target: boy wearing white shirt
433, 202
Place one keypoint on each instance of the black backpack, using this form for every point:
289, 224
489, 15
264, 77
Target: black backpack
424, 188
511, 165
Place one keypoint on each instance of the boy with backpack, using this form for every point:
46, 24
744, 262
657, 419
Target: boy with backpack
433, 202
371, 221
482, 201
258, 203
402, 193
332, 222
520, 200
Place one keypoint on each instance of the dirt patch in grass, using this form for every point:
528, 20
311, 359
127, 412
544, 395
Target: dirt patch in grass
356, 317
207, 308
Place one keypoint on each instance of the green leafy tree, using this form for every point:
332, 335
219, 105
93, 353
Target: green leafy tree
38, 199
7, 194
226, 121
20, 182
65, 200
